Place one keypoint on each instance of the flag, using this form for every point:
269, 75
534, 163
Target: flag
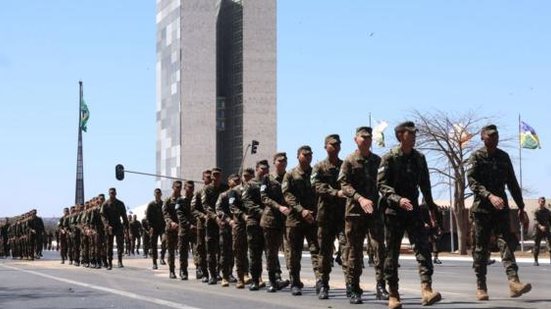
378, 134
528, 137
84, 115
460, 134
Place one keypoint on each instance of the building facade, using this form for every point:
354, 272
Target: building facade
216, 85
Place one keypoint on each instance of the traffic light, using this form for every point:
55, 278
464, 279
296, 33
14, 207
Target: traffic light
254, 146
119, 172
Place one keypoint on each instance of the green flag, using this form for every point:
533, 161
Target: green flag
84, 115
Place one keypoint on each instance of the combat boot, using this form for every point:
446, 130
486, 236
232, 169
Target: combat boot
183, 274
324, 291
240, 282
517, 288
247, 279
482, 291
382, 293
428, 296
232, 279
318, 286
261, 283
296, 290
172, 275
110, 265
225, 283
394, 299
273, 283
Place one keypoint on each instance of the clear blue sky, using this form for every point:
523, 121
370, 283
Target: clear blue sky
337, 62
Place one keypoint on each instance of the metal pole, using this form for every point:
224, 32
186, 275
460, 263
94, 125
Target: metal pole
520, 174
160, 176
452, 243
243, 159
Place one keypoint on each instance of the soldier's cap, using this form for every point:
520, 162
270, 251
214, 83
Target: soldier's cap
364, 131
332, 139
489, 129
217, 170
280, 155
66, 208
405, 126
248, 172
305, 149
33, 211
263, 163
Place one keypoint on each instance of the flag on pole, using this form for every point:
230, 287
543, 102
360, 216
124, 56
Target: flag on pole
460, 134
528, 137
84, 115
378, 134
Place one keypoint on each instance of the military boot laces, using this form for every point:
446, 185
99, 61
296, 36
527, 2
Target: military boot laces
482, 291
428, 296
517, 288
394, 299
382, 293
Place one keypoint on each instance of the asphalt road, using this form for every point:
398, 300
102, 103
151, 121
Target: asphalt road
46, 283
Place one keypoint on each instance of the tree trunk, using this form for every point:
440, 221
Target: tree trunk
461, 215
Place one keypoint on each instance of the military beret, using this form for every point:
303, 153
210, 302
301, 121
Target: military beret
305, 148
332, 139
216, 170
280, 155
489, 129
405, 126
364, 131
263, 163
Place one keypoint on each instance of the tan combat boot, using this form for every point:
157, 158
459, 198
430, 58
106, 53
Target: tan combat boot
394, 299
261, 283
517, 288
240, 281
225, 282
428, 297
247, 279
482, 291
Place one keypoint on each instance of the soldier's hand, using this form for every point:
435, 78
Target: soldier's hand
307, 215
340, 194
496, 201
406, 204
232, 223
523, 218
173, 225
367, 205
284, 210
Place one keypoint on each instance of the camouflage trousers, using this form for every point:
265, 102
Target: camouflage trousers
226, 254
327, 233
537, 241
255, 242
484, 226
296, 236
273, 239
239, 234
356, 230
396, 226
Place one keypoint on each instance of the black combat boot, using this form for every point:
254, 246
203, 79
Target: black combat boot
120, 262
324, 291
110, 265
296, 289
183, 274
382, 293
198, 274
273, 283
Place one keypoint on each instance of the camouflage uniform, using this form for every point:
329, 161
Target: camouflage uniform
542, 217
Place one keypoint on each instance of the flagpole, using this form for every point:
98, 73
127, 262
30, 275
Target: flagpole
520, 178
370, 120
79, 187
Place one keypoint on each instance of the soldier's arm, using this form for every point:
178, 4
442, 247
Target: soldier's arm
220, 206
321, 188
385, 181
205, 201
513, 185
124, 216
346, 185
265, 192
250, 205
287, 188
472, 178
166, 214
424, 184
196, 208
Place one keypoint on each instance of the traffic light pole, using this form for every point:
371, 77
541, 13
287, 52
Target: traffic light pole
243, 159
120, 169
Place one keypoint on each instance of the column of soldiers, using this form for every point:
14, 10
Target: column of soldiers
22, 237
233, 224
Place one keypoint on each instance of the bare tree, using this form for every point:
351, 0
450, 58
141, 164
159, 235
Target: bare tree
447, 139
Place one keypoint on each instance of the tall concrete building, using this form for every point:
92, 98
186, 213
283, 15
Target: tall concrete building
216, 85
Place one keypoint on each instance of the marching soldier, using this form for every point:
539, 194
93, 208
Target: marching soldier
273, 220
200, 251
330, 206
363, 216
542, 217
154, 215
403, 171
170, 206
113, 210
135, 235
490, 169
300, 197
